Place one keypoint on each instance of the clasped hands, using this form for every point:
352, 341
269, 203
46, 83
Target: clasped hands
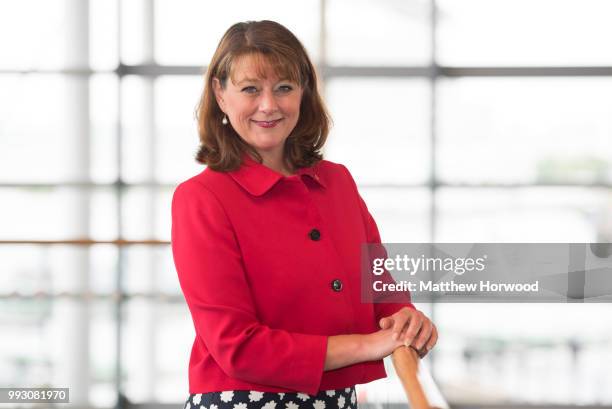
407, 327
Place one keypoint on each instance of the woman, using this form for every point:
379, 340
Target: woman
266, 242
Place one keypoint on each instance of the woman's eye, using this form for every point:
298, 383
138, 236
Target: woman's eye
249, 90
285, 88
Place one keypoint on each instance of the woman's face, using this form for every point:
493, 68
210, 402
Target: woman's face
262, 110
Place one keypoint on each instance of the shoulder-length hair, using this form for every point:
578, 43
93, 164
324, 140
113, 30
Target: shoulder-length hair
221, 148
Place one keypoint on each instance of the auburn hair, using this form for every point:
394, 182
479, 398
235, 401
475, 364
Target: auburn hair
272, 45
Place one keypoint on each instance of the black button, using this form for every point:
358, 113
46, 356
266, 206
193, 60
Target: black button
315, 234
336, 285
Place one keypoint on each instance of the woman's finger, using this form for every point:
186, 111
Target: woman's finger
385, 322
424, 334
433, 339
399, 321
416, 321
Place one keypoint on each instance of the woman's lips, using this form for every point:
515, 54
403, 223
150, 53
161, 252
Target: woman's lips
268, 124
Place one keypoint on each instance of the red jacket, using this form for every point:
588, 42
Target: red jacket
270, 267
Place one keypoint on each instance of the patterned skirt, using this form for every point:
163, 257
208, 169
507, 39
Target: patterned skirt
239, 399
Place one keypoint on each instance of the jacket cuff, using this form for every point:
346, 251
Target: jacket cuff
308, 370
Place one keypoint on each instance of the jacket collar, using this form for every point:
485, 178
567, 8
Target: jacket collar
257, 178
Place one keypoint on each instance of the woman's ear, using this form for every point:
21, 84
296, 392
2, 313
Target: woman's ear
218, 90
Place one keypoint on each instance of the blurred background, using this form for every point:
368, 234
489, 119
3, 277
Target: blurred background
461, 120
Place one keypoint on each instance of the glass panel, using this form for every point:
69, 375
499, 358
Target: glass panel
45, 128
524, 32
29, 269
57, 213
176, 99
151, 331
524, 215
103, 224
23, 269
524, 353
527, 130
103, 268
50, 341
175, 333
39, 27
103, 127
198, 26
160, 135
389, 32
132, 24
45, 118
402, 215
103, 354
381, 128
150, 269
25, 356
103, 30
138, 139
163, 216
146, 213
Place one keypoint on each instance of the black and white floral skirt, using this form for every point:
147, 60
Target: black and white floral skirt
330, 399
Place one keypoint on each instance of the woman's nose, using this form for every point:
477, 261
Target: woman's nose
267, 102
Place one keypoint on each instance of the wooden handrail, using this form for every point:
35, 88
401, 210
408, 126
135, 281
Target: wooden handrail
406, 362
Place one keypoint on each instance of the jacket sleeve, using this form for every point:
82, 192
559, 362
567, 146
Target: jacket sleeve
212, 277
385, 304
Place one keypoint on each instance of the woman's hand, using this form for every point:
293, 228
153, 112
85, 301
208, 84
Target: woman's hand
411, 328
344, 350
380, 344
